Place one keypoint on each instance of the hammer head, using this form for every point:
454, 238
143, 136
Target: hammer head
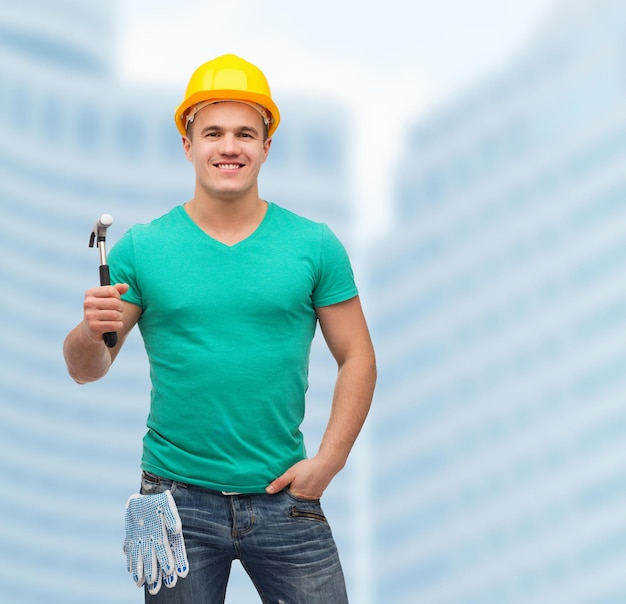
100, 227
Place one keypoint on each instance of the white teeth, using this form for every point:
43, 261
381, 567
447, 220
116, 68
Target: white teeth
228, 166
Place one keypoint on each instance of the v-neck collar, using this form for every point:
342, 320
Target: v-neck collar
260, 227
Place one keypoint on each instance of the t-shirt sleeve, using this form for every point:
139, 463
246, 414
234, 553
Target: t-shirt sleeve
122, 268
336, 279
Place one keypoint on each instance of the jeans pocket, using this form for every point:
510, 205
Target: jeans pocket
301, 499
307, 509
307, 514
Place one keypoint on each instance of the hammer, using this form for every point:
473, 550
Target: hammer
98, 234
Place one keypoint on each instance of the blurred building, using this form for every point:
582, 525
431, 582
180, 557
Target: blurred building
499, 313
74, 143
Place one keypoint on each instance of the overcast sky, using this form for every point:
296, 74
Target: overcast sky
398, 56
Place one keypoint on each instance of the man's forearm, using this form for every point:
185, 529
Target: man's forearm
86, 359
352, 399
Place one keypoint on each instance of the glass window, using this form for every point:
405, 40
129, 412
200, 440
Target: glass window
323, 151
171, 148
19, 107
52, 122
88, 128
129, 135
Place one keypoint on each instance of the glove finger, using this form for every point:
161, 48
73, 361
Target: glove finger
163, 552
138, 574
177, 545
130, 547
155, 586
148, 560
170, 580
130, 559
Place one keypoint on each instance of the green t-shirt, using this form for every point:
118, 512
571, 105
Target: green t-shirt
228, 333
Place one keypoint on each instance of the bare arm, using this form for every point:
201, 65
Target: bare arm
345, 331
86, 356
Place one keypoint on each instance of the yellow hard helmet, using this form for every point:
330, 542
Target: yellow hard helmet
228, 77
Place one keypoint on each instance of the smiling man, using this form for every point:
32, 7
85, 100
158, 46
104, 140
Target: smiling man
227, 291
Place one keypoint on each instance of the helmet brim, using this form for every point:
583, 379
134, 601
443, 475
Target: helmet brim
224, 95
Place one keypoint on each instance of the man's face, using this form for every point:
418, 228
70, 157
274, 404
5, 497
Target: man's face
227, 149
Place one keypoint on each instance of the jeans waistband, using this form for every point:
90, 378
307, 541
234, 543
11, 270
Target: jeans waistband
157, 480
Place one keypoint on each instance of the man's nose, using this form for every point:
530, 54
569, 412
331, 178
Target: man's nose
229, 144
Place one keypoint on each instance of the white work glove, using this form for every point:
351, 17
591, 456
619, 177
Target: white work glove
154, 545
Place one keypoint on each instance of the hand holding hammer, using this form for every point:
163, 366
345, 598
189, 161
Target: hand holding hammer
98, 236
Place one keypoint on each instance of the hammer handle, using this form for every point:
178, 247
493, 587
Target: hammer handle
110, 337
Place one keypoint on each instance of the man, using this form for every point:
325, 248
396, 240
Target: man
227, 290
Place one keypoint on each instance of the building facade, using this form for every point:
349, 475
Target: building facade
499, 314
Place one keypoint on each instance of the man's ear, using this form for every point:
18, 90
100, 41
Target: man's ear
266, 147
187, 147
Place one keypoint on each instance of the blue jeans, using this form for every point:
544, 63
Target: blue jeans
284, 543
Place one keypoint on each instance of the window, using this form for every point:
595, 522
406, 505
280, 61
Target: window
129, 135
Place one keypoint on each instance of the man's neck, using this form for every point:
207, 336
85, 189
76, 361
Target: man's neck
227, 220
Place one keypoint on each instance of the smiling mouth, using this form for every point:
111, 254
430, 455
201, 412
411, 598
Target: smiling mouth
228, 166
